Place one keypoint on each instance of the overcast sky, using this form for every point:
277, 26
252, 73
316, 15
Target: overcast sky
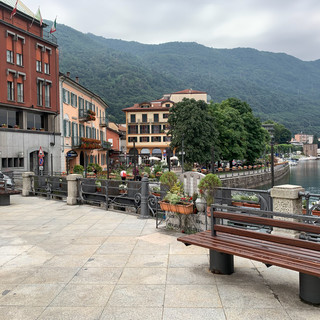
290, 26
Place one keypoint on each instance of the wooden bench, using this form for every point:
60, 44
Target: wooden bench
226, 240
5, 193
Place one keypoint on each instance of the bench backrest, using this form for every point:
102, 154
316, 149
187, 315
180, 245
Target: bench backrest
265, 221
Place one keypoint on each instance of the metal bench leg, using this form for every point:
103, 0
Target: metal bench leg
4, 199
309, 288
221, 262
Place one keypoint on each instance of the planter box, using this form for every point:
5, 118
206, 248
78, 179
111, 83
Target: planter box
178, 208
314, 212
245, 204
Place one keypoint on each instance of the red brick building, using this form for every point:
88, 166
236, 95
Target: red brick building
29, 95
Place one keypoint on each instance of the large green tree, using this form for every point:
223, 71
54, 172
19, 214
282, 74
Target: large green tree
256, 135
282, 135
232, 140
191, 125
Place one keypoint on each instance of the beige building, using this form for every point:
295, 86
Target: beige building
84, 125
147, 125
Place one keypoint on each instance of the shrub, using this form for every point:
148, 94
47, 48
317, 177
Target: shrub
208, 185
78, 168
169, 179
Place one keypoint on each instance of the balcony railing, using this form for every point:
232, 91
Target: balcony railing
106, 145
75, 142
103, 122
86, 115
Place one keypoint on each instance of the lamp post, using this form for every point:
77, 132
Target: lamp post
182, 156
270, 128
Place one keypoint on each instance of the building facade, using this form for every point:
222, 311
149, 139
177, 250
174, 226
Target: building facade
147, 125
84, 125
29, 95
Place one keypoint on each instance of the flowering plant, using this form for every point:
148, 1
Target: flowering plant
123, 186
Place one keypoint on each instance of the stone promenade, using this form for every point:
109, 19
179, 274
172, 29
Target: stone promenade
82, 262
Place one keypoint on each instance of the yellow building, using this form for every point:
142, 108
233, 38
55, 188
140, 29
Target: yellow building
84, 125
147, 125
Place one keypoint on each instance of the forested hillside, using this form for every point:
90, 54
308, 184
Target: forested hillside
277, 86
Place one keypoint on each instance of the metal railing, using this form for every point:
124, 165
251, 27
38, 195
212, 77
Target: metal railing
50, 186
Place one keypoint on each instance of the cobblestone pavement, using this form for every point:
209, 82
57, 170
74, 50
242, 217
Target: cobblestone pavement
82, 262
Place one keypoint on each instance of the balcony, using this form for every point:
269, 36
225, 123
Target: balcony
85, 143
75, 142
106, 145
103, 122
86, 115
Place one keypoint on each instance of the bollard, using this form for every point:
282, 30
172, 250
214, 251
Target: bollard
73, 188
27, 183
144, 214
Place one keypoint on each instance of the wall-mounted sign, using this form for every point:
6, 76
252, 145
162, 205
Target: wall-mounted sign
71, 154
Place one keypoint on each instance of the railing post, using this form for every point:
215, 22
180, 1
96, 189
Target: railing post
72, 180
144, 214
27, 178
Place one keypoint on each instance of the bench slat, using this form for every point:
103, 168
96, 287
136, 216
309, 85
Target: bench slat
298, 226
258, 250
268, 237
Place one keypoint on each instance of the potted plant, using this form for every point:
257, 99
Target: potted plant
98, 185
155, 190
4, 125
207, 187
78, 169
16, 126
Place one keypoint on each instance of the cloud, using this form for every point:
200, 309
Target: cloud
289, 26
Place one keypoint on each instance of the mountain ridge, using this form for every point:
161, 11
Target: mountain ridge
277, 86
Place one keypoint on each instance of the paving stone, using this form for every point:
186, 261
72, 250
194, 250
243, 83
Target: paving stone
133, 313
83, 295
71, 313
188, 296
193, 314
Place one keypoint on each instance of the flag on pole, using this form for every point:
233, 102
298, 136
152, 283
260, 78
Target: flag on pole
14, 11
38, 16
54, 26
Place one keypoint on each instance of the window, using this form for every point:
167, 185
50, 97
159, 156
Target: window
39, 92
144, 139
10, 47
132, 118
20, 92
156, 117
81, 130
144, 129
35, 121
165, 115
9, 56
144, 118
132, 139
38, 59
46, 62
132, 129
47, 94
155, 139
19, 52
74, 100
19, 59
81, 103
167, 105
10, 87
10, 117
66, 128
66, 96
166, 139
156, 128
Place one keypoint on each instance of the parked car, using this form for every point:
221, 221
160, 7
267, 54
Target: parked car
6, 178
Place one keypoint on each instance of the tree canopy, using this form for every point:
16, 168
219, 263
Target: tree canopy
192, 126
282, 135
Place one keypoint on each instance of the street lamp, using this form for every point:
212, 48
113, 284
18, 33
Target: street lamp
270, 128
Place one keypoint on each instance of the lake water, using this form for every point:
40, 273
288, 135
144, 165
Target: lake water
305, 174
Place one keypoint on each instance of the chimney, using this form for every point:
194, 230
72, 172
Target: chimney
77, 79
68, 74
